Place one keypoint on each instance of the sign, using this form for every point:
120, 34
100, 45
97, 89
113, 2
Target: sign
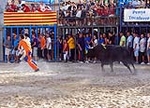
136, 15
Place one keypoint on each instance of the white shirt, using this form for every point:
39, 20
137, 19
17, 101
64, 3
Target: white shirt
48, 43
65, 7
78, 15
135, 3
136, 43
142, 45
42, 7
129, 40
95, 42
148, 43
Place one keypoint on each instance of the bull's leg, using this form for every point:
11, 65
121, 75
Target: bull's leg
111, 67
126, 64
133, 67
102, 66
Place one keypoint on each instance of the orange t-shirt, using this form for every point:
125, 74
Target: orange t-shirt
25, 45
42, 42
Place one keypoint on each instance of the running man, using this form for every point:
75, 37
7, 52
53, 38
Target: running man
28, 58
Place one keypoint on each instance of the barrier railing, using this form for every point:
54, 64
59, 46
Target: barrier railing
89, 21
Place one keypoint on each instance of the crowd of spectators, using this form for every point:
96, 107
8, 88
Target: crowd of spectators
88, 13
74, 47
137, 44
21, 6
41, 46
95, 12
135, 4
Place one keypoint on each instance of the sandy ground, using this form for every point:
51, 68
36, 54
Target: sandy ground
73, 85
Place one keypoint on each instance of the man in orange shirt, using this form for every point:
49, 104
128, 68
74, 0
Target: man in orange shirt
42, 45
27, 47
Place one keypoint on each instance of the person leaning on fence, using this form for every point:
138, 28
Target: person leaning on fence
81, 48
28, 50
148, 48
71, 43
129, 43
122, 40
65, 50
142, 49
8, 46
42, 41
15, 48
136, 47
35, 43
48, 47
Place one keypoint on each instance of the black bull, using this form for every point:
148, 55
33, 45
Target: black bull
111, 53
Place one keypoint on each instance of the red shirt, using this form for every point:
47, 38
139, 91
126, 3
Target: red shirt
111, 10
13, 7
26, 9
33, 9
105, 11
99, 11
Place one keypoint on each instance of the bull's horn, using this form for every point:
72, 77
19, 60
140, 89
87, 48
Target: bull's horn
104, 46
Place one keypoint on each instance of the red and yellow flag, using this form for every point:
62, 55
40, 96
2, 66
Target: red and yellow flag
30, 18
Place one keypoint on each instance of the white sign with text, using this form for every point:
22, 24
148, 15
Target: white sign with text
136, 15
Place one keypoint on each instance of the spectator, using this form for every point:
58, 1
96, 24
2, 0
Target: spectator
8, 46
59, 44
25, 8
42, 7
94, 41
48, 8
81, 47
101, 39
8, 8
33, 8
129, 43
148, 48
111, 38
35, 46
65, 50
142, 48
49, 47
136, 47
106, 40
15, 48
42, 45
122, 40
87, 40
136, 3
78, 16
11, 7
71, 43
111, 13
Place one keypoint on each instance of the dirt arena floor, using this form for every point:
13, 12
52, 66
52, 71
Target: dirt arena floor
73, 85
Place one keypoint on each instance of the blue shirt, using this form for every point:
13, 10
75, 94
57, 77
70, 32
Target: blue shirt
101, 40
87, 39
16, 42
